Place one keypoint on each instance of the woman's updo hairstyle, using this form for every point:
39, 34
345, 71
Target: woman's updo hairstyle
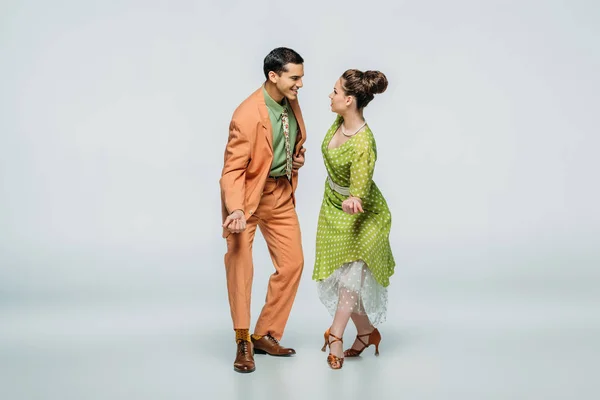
363, 85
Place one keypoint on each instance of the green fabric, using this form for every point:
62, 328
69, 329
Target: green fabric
275, 110
341, 237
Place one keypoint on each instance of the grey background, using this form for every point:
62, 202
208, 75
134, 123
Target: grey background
113, 121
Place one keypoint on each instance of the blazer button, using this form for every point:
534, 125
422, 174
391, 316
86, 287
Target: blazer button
251, 212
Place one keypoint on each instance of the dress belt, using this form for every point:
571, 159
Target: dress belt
345, 191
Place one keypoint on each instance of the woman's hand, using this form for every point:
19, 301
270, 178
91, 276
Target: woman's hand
352, 205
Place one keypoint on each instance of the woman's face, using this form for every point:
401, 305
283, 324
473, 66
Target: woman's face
339, 101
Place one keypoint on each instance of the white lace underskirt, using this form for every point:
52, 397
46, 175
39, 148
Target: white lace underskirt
353, 288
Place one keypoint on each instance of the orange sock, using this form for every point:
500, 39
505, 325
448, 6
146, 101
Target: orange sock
256, 337
242, 334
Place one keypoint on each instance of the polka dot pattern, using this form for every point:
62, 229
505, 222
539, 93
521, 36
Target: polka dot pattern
353, 289
341, 237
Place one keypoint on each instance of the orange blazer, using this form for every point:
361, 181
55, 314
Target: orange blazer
249, 155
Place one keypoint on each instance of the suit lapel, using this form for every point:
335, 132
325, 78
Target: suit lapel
266, 121
301, 138
264, 116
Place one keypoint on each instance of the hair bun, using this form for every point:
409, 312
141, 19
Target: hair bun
375, 81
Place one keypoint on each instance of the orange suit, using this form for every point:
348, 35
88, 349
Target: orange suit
268, 203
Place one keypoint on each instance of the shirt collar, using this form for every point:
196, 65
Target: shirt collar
274, 106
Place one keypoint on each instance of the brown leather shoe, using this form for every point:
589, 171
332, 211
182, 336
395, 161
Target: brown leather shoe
269, 345
244, 358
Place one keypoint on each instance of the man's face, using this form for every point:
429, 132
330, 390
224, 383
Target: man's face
289, 81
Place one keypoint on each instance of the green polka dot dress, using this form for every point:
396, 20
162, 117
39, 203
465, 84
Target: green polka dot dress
343, 238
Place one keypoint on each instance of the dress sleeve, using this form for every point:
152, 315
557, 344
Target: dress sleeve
362, 167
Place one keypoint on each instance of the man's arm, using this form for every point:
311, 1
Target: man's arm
233, 179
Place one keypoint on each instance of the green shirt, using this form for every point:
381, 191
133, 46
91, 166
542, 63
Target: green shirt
275, 110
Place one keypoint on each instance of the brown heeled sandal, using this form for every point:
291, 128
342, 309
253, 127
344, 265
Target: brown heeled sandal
332, 359
374, 338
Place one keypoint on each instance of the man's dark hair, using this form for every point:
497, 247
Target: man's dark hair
277, 59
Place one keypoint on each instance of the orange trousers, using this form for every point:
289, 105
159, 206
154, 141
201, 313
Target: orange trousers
278, 222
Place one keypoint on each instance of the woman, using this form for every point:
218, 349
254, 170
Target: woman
353, 260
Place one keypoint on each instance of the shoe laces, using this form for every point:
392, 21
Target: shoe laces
243, 347
272, 339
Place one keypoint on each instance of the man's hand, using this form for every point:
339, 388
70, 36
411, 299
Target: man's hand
298, 160
235, 222
352, 205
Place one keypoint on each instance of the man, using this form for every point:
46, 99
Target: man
263, 154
